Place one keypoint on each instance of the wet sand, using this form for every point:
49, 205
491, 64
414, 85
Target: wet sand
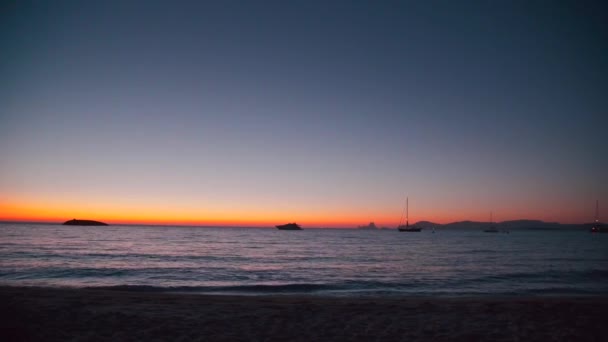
44, 314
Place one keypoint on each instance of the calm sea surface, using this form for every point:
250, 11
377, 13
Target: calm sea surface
313, 261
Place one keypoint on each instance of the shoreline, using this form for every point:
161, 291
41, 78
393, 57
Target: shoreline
59, 314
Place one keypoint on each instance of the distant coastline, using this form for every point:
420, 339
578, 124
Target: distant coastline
505, 225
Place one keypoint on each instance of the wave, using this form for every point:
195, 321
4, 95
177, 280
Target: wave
478, 251
216, 273
351, 286
563, 291
285, 288
552, 275
349, 290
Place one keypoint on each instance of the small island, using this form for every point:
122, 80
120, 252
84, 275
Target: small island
75, 222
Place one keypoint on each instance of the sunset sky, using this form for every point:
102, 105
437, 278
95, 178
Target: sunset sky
327, 113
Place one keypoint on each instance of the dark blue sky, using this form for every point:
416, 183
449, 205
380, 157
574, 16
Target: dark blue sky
342, 107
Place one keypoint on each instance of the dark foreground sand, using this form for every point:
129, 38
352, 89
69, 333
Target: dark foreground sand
41, 314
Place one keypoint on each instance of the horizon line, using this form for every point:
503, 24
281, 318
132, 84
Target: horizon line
273, 227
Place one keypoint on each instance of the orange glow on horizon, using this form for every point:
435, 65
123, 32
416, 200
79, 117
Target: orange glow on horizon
157, 215
39, 212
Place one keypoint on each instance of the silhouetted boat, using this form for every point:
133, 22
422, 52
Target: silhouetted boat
598, 227
289, 226
407, 227
492, 228
371, 226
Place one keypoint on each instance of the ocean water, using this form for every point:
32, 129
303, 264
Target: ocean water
312, 261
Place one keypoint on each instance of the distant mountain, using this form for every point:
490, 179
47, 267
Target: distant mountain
529, 224
505, 225
427, 224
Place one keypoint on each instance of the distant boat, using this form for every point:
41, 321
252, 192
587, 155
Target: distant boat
289, 226
371, 225
407, 227
597, 226
492, 228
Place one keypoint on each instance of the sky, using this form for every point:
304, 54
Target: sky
327, 113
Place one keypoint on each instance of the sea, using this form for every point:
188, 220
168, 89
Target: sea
318, 262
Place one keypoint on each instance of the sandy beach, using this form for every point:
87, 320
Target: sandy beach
45, 314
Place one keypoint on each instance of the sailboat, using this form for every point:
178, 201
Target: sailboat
370, 226
492, 228
597, 226
407, 227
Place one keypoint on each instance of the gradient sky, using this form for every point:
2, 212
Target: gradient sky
326, 113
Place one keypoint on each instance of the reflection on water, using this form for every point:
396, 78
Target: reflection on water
337, 262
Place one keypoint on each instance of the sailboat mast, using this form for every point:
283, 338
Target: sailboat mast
407, 212
597, 211
401, 218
